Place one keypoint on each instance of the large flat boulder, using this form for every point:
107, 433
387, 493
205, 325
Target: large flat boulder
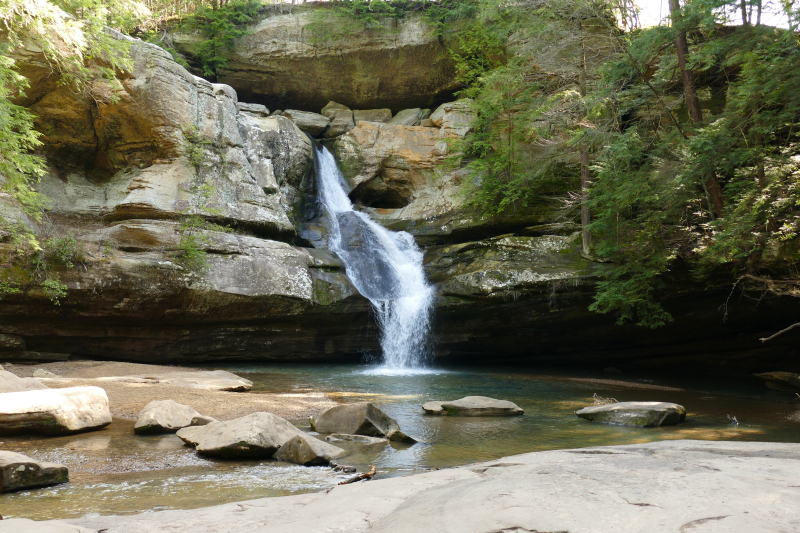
361, 418
312, 123
341, 118
217, 380
255, 436
54, 411
168, 416
473, 406
658, 487
12, 383
306, 450
641, 414
20, 472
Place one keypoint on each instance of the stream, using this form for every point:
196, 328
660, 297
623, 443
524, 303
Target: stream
112, 471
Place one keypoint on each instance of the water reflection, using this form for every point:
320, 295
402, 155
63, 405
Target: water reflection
115, 471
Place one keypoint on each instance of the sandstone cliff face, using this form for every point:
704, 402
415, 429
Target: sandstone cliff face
129, 163
288, 63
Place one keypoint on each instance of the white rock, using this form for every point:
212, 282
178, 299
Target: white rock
54, 411
473, 406
660, 487
167, 416
642, 414
12, 383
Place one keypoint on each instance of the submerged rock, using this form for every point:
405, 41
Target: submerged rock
473, 406
255, 436
12, 383
306, 450
642, 414
54, 411
359, 419
20, 472
358, 439
167, 416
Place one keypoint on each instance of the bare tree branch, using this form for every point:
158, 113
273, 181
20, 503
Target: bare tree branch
780, 332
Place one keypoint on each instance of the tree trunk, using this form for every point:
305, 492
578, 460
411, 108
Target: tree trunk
585, 215
692, 101
758, 15
743, 3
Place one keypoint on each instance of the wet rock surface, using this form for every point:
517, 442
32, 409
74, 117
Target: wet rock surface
20, 472
473, 406
357, 439
54, 411
660, 487
307, 450
361, 418
640, 414
782, 381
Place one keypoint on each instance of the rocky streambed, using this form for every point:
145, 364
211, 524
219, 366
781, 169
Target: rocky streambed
115, 471
672, 486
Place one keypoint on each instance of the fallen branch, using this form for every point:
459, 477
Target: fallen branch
359, 477
780, 332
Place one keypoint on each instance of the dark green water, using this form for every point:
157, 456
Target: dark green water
114, 471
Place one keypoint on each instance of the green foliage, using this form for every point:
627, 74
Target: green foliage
54, 289
220, 24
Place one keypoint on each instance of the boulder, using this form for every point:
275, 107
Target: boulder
255, 436
256, 109
167, 416
12, 383
42, 373
641, 414
372, 115
341, 118
456, 119
358, 439
782, 381
312, 123
473, 406
306, 450
19, 472
361, 418
11, 342
406, 117
217, 380
54, 411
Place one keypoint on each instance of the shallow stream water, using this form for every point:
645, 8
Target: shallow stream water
112, 471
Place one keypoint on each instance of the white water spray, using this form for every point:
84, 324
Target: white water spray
385, 267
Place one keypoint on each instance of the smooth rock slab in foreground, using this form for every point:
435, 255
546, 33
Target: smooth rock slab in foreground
306, 450
54, 411
473, 406
659, 487
361, 418
255, 436
641, 414
20, 472
168, 416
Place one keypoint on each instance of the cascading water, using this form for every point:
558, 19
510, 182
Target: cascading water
385, 267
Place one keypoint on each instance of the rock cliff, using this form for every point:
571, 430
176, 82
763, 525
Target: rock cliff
129, 164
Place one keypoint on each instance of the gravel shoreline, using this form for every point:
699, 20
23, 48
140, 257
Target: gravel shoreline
127, 399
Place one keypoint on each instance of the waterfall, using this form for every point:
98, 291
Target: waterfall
385, 266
